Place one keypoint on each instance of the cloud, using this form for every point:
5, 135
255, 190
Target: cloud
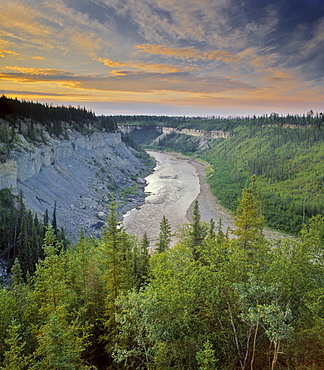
50, 26
110, 63
157, 82
39, 71
158, 67
4, 53
176, 52
128, 81
186, 52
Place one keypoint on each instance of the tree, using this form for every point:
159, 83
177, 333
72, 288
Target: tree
60, 335
117, 276
164, 239
206, 357
14, 357
249, 219
145, 257
60, 343
197, 232
140, 261
17, 274
24, 246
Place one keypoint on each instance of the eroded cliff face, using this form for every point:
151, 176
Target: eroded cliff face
82, 175
198, 133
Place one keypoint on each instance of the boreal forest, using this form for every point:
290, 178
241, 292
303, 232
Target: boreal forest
215, 300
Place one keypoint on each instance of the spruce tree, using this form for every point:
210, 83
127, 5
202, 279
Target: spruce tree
164, 236
198, 232
249, 219
145, 244
116, 276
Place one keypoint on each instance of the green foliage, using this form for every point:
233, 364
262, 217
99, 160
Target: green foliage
106, 303
206, 357
8, 312
14, 357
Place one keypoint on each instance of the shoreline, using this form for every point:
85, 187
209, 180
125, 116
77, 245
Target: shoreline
209, 206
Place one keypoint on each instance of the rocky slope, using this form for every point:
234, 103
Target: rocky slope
81, 175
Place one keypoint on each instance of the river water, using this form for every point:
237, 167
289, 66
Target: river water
172, 188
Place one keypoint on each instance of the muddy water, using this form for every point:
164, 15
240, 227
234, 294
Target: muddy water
172, 188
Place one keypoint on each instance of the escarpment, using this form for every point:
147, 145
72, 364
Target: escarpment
81, 175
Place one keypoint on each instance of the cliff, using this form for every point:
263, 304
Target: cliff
82, 175
198, 133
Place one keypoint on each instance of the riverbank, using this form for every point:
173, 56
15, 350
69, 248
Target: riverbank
209, 206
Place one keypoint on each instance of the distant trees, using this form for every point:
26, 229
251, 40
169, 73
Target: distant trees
55, 119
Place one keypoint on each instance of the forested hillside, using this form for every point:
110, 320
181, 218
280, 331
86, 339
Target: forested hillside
289, 164
211, 302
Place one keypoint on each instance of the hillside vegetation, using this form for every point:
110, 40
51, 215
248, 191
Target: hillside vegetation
288, 163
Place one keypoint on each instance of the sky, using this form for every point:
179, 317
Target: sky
165, 57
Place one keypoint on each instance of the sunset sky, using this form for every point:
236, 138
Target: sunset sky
172, 57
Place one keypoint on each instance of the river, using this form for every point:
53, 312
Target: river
173, 187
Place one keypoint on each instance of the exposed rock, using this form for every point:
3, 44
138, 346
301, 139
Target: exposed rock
82, 175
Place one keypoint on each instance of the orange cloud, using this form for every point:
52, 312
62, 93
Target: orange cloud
186, 53
39, 58
4, 53
220, 55
39, 71
110, 63
160, 67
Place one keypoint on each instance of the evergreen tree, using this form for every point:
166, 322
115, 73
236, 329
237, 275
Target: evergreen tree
198, 231
249, 219
116, 277
17, 274
46, 220
145, 244
164, 239
24, 246
54, 220
14, 357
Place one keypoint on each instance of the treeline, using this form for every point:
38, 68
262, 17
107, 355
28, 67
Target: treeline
210, 123
22, 233
212, 302
55, 119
